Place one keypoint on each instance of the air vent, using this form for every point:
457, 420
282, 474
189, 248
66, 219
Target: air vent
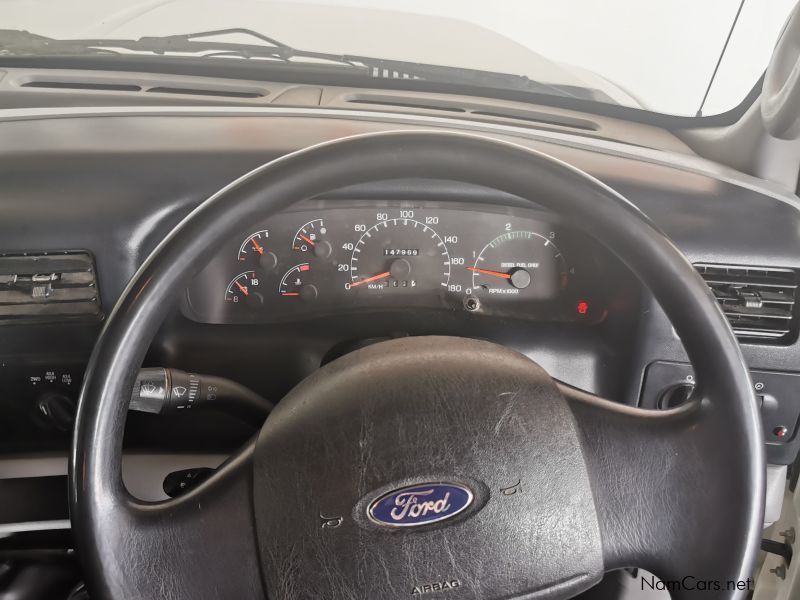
759, 302
539, 118
416, 105
148, 86
36, 286
83, 85
205, 92
485, 113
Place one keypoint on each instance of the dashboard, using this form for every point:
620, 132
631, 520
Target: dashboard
294, 290
353, 255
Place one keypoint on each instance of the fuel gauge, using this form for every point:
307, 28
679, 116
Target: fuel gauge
311, 239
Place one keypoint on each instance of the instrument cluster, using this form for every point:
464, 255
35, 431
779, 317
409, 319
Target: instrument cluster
333, 257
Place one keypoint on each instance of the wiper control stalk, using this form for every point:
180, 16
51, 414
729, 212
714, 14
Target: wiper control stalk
171, 391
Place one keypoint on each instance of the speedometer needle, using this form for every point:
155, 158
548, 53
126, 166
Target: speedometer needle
488, 272
369, 279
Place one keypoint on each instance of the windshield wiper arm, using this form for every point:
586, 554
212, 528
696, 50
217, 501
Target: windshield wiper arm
16, 42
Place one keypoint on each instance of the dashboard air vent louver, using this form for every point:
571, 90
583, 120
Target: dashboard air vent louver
36, 286
481, 112
205, 92
83, 85
759, 302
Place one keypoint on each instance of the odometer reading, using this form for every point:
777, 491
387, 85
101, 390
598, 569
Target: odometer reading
399, 254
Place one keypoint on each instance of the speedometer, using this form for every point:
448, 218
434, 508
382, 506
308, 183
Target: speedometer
397, 255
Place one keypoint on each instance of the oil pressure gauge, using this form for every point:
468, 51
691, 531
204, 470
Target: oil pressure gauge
256, 251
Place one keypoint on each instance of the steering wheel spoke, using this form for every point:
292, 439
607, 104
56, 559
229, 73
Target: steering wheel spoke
667, 494
200, 544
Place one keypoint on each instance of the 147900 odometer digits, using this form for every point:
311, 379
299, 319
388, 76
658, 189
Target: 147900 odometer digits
397, 255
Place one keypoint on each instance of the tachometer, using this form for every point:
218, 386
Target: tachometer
519, 264
399, 254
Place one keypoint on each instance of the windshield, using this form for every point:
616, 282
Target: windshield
680, 57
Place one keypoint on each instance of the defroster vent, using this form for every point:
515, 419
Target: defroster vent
38, 286
759, 302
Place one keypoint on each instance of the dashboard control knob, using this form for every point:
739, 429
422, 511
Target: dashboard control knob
520, 278
400, 268
268, 261
309, 292
323, 249
57, 408
675, 396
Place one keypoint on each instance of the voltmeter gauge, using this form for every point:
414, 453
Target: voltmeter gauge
245, 288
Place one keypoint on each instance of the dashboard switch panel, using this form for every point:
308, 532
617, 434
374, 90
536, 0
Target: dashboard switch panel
778, 395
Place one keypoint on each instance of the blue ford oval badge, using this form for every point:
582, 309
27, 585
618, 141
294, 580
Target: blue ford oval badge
420, 504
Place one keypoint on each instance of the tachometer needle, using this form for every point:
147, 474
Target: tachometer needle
258, 248
369, 279
307, 240
488, 272
242, 288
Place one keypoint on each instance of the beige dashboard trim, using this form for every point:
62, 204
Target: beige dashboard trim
684, 162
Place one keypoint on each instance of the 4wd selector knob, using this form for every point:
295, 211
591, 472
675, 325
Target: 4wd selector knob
58, 408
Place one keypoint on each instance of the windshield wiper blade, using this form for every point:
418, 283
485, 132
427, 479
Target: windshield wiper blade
17, 42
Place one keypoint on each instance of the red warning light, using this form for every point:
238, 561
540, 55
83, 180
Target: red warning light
583, 308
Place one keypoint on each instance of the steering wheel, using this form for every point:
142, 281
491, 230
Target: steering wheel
433, 467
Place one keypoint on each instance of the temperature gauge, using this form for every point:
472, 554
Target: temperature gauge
255, 251
296, 283
310, 238
244, 289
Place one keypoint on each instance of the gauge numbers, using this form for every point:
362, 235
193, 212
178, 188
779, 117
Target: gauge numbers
520, 264
311, 238
244, 289
399, 254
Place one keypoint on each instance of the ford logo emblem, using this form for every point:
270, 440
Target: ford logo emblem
420, 504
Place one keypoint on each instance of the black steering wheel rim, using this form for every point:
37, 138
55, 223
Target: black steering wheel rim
121, 538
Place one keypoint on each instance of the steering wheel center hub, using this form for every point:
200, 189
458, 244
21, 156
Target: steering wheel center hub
401, 467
